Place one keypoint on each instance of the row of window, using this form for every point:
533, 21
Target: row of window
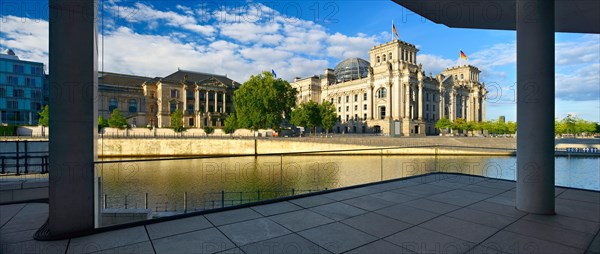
34, 70
14, 80
20, 93
113, 104
190, 95
10, 104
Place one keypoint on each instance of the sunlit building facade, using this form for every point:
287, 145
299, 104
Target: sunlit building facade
391, 94
205, 99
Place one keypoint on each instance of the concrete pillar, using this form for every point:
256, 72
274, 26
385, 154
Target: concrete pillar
206, 101
401, 100
73, 118
535, 106
420, 101
483, 108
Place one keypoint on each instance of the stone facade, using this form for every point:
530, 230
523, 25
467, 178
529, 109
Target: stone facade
205, 99
395, 97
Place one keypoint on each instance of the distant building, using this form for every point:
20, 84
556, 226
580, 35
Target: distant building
502, 119
22, 86
391, 94
205, 99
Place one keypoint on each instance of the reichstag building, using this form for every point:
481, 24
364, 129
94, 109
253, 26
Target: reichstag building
391, 93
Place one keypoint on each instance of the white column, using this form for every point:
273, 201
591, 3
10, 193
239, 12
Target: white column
442, 105
196, 100
407, 100
223, 110
388, 113
452, 106
370, 109
215, 101
483, 108
206, 101
535, 111
72, 206
420, 101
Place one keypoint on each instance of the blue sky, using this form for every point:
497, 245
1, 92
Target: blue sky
301, 38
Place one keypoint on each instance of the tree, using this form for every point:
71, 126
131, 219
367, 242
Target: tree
307, 114
460, 124
102, 123
177, 121
208, 130
230, 124
511, 127
263, 102
44, 117
116, 120
443, 123
328, 115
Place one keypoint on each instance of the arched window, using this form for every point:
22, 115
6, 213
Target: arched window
384, 57
113, 104
381, 92
378, 60
390, 56
132, 106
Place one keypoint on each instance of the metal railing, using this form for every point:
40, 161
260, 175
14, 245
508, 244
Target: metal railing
212, 200
22, 160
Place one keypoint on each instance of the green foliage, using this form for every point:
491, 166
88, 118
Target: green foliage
208, 130
443, 123
102, 123
8, 130
44, 119
230, 124
511, 127
328, 115
574, 125
116, 120
307, 114
177, 121
263, 102
460, 124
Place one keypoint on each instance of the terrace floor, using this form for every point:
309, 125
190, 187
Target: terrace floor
438, 213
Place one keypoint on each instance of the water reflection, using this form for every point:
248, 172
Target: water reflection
212, 183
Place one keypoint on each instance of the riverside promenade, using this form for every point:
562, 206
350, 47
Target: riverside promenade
435, 213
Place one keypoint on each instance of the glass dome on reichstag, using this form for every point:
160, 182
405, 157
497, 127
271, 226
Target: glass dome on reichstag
351, 69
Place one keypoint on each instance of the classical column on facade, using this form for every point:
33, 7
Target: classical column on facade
206, 101
184, 99
483, 108
476, 108
468, 108
407, 100
401, 100
420, 101
215, 109
441, 103
223, 109
452, 105
388, 110
196, 100
370, 102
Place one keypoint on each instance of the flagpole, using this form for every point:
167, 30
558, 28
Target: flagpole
392, 30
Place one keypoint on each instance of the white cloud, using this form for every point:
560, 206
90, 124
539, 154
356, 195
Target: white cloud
580, 85
140, 12
342, 46
28, 38
434, 64
585, 50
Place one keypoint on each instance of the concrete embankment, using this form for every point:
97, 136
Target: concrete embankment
165, 147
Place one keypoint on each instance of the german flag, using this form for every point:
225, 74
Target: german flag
394, 30
462, 55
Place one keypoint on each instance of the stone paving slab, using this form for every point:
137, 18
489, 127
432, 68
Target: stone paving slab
437, 214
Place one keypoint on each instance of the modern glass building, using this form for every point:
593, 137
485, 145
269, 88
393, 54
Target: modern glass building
21, 89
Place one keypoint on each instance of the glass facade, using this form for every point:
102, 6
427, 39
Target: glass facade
22, 85
351, 69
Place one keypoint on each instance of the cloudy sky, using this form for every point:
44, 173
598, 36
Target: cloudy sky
298, 39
